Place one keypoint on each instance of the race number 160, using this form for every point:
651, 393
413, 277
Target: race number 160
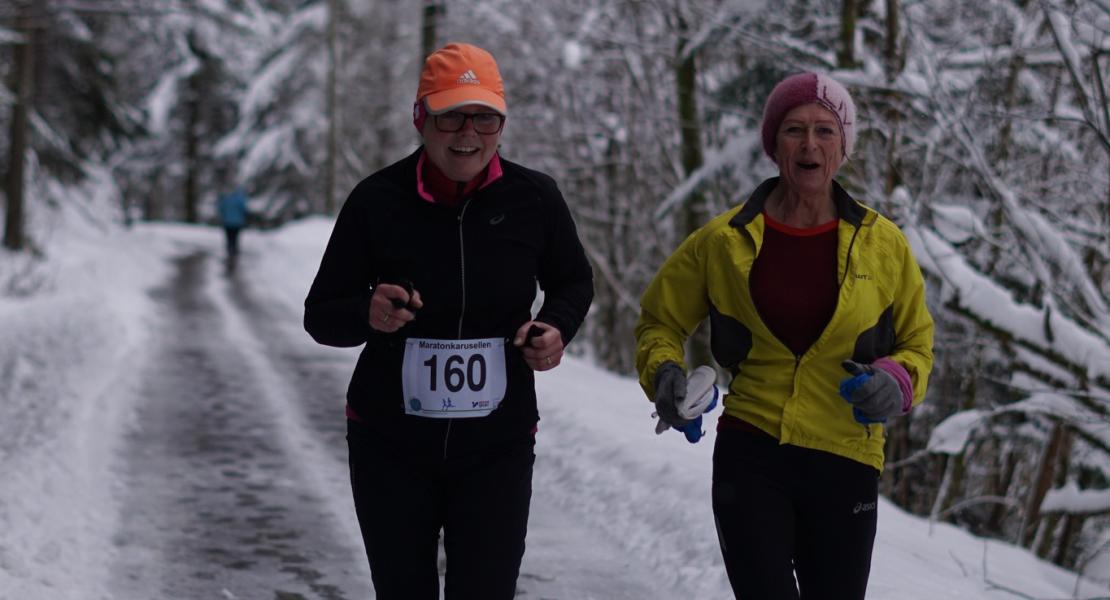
454, 376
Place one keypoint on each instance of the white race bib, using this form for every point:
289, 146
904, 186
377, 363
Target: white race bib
453, 378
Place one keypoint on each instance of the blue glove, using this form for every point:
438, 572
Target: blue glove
873, 393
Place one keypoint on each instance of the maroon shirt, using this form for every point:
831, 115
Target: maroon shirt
793, 281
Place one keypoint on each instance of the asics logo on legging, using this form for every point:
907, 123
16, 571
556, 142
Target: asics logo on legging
863, 507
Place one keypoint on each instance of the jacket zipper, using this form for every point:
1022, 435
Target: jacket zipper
462, 267
848, 258
462, 303
839, 288
847, 265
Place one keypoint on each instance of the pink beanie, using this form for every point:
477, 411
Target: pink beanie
809, 88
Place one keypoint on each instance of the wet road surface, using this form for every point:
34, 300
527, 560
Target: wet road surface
215, 503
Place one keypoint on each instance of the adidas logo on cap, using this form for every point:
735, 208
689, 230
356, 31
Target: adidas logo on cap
460, 74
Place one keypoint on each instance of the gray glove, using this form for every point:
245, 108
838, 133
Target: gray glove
873, 393
670, 391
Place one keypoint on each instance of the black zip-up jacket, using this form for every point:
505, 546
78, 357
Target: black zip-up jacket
475, 265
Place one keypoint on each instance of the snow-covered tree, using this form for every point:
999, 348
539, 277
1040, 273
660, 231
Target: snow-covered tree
984, 132
67, 108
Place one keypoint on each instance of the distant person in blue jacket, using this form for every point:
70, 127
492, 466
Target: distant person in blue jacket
232, 208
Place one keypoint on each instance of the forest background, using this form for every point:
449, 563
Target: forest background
984, 132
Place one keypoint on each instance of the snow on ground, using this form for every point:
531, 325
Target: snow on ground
67, 351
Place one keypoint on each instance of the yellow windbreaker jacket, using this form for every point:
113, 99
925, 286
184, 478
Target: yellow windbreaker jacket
880, 312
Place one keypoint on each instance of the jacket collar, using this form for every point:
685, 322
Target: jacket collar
491, 173
847, 209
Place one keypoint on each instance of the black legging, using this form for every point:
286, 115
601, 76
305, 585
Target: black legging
784, 511
232, 236
403, 497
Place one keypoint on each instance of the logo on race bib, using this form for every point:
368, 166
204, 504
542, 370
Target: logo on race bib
415, 404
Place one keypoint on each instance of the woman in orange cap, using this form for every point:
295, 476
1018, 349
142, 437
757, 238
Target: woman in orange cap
432, 266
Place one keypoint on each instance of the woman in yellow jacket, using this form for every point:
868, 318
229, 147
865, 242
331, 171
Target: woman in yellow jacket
817, 309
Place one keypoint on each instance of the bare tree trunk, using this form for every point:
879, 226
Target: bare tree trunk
1048, 543
1041, 483
941, 500
893, 178
127, 206
1017, 63
192, 151
1086, 104
690, 128
997, 213
385, 129
896, 481
1046, 534
1104, 98
24, 56
611, 319
846, 53
433, 12
895, 61
893, 65
1095, 265
333, 113
953, 486
1069, 534
686, 74
152, 202
1000, 486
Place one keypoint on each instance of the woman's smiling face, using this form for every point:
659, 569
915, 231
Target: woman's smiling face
462, 154
808, 149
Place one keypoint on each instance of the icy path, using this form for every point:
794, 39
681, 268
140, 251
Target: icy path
235, 477
225, 499
189, 444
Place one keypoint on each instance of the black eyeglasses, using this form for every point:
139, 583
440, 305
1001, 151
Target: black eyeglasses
484, 123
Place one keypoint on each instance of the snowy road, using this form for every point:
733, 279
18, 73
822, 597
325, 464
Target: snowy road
234, 476
168, 432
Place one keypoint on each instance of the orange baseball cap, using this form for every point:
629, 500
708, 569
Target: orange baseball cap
460, 74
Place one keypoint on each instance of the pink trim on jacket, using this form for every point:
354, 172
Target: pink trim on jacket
899, 373
351, 414
493, 173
